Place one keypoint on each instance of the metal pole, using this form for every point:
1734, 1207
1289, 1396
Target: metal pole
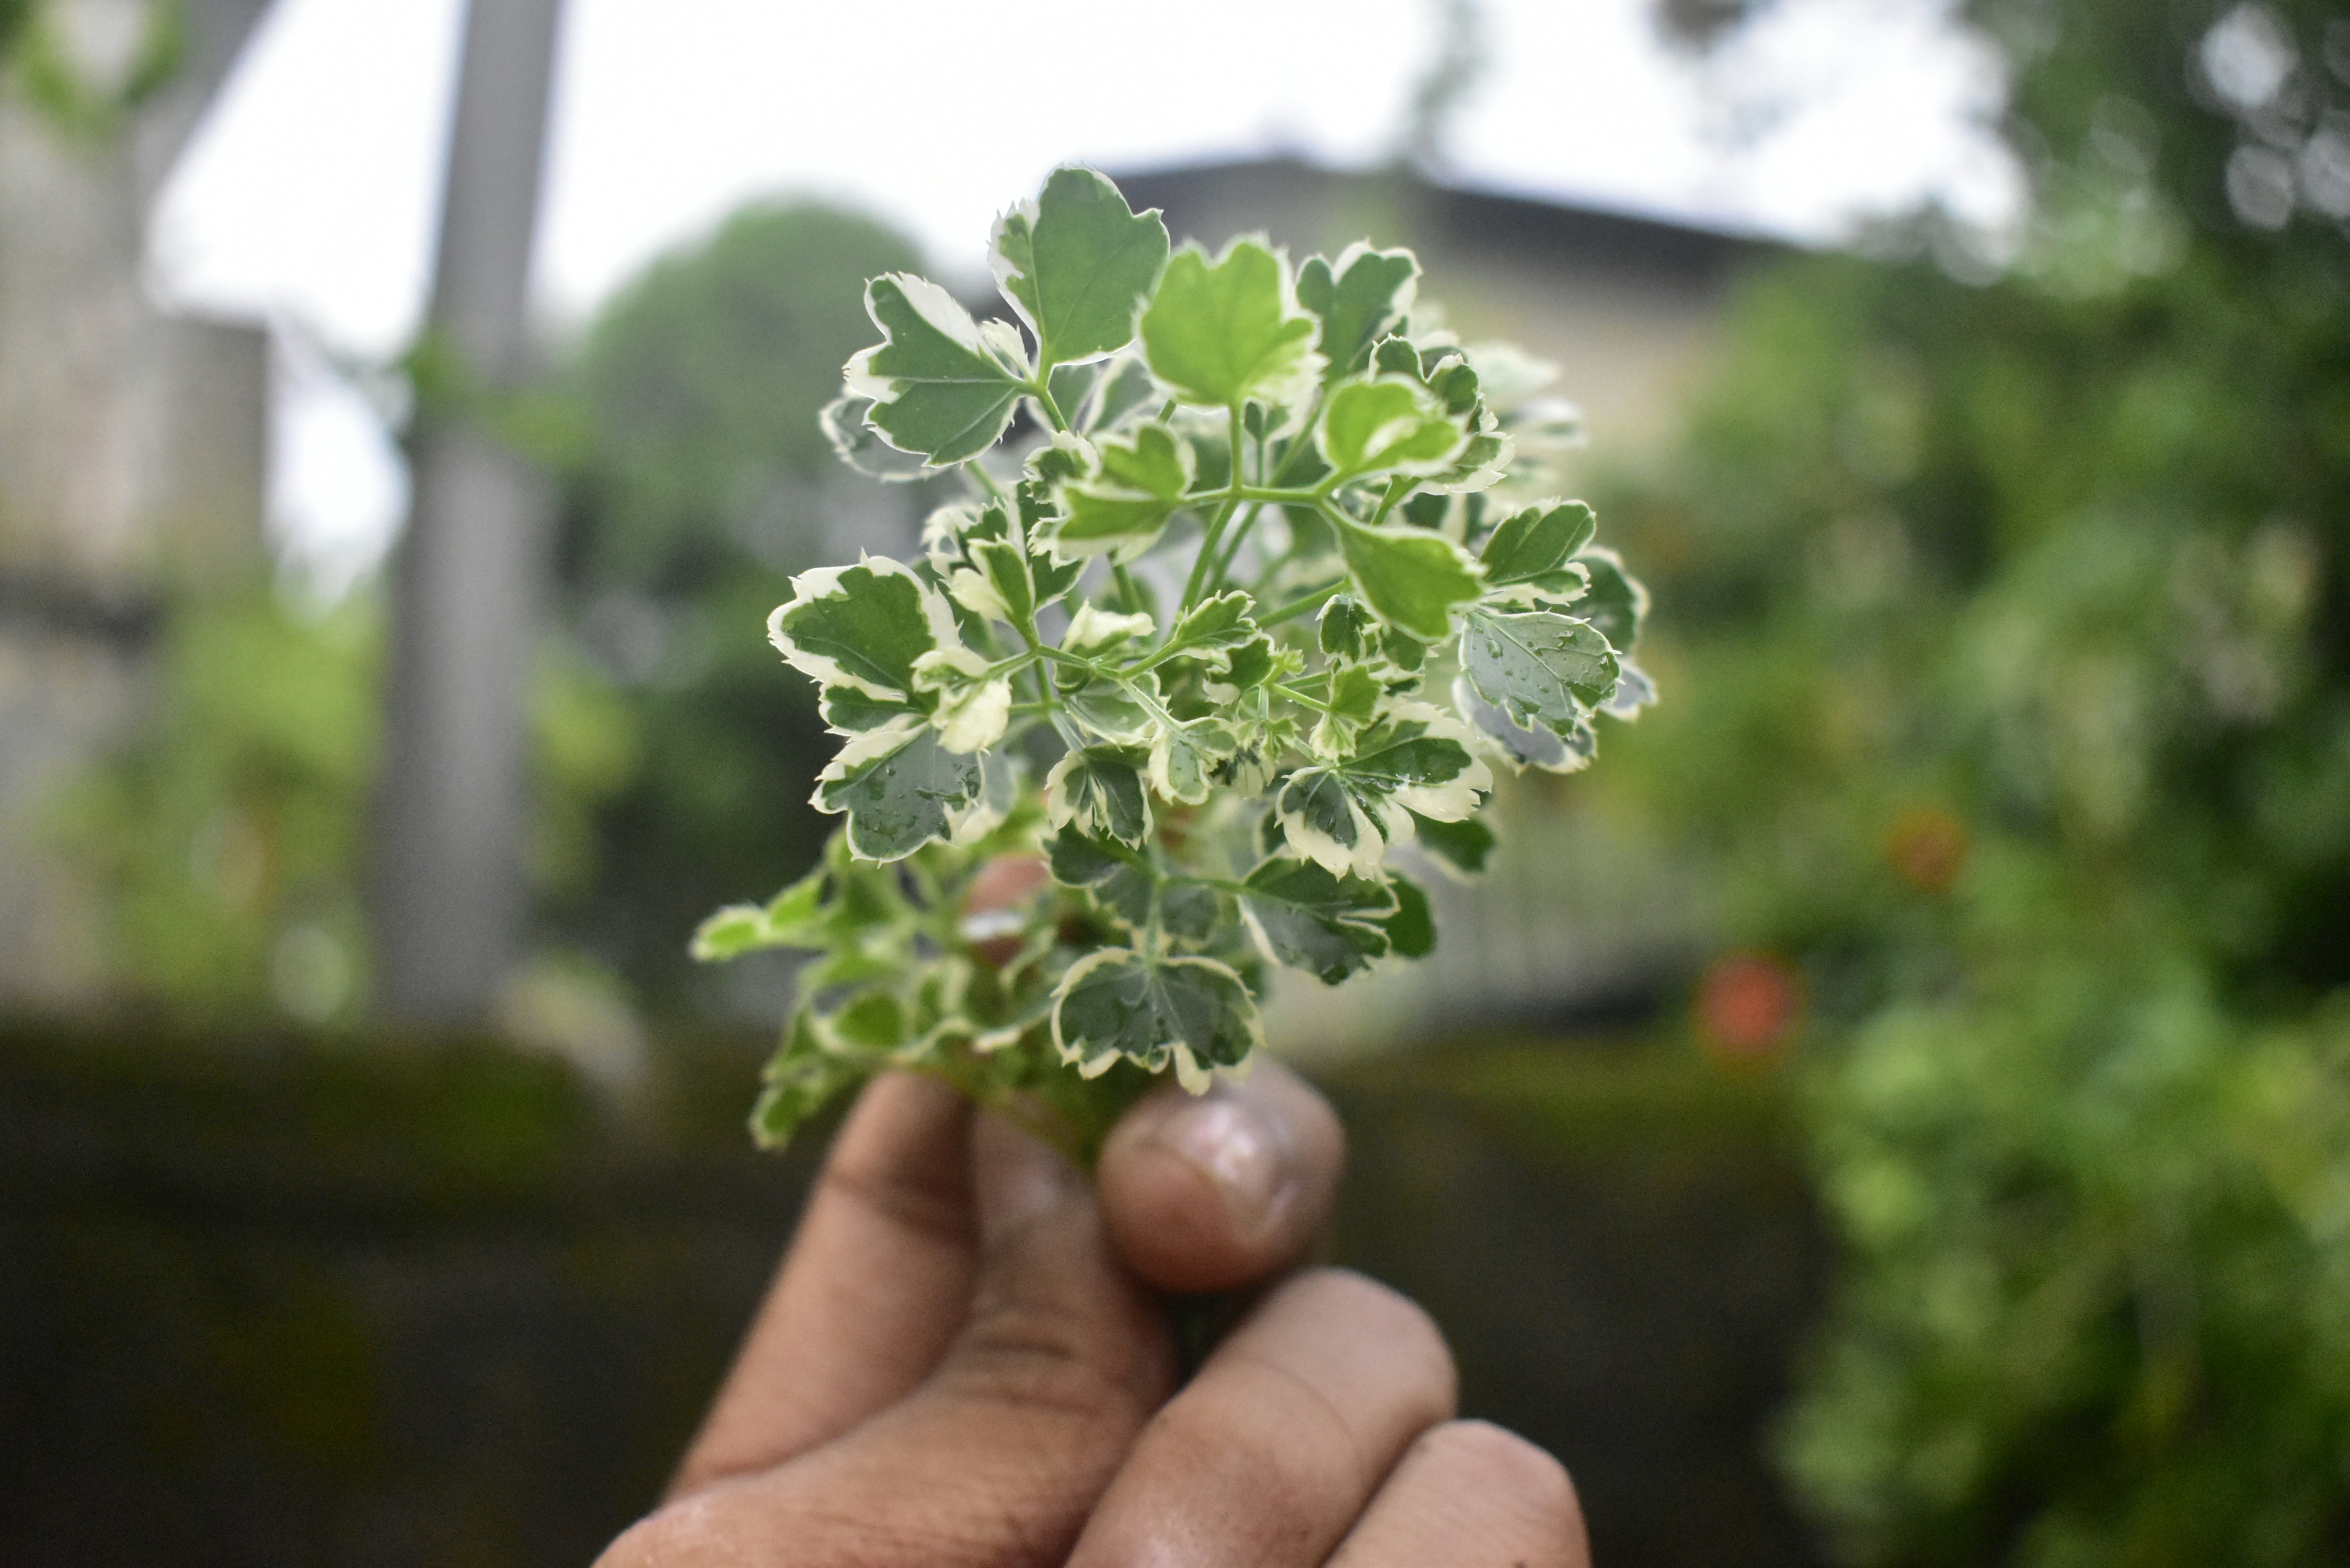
452, 894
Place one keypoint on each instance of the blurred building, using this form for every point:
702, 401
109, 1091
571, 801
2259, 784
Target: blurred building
1573, 921
1626, 306
131, 441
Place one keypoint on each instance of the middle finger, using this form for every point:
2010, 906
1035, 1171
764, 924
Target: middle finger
1272, 1451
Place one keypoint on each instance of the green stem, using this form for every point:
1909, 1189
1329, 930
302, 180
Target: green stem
1239, 536
1304, 605
1059, 656
1043, 394
1272, 494
1200, 568
1300, 698
1012, 664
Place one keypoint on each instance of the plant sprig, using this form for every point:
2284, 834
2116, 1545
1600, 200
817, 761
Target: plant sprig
1263, 586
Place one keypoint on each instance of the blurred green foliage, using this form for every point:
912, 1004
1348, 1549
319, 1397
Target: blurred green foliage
227, 844
14, 13
699, 484
2006, 633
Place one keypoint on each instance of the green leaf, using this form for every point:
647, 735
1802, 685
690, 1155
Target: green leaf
1190, 913
1462, 844
843, 421
1420, 761
848, 712
1413, 578
1526, 746
734, 930
1455, 383
862, 626
1304, 916
1184, 757
801, 1080
871, 1023
1633, 690
1354, 692
789, 920
902, 789
1002, 566
1410, 764
1074, 263
1116, 1003
1353, 695
1389, 424
1324, 821
1251, 663
942, 386
1358, 297
1532, 544
1115, 710
1412, 930
1220, 332
1093, 630
1153, 460
1616, 604
1396, 357
1210, 630
973, 706
1343, 626
1539, 667
1099, 790
1118, 879
1122, 881
1140, 485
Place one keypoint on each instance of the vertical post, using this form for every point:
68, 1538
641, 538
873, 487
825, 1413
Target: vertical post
452, 897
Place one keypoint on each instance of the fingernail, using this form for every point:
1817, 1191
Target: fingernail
1236, 1146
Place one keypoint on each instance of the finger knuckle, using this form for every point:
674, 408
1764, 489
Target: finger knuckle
1291, 1454
1038, 1360
899, 1198
1400, 1325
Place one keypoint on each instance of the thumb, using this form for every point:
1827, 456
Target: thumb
999, 1456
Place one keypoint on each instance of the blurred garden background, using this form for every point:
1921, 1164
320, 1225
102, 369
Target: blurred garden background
1894, 1108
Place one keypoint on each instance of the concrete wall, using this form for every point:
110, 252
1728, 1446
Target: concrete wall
132, 457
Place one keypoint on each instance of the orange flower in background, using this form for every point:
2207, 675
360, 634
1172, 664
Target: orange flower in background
1927, 848
1748, 1006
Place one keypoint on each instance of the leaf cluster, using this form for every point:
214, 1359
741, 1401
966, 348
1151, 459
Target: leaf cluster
1258, 578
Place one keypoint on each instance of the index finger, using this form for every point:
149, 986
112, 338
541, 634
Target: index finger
871, 1292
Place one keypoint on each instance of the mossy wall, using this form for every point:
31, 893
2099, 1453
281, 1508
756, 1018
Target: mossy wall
289, 1300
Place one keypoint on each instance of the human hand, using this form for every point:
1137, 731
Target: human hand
963, 1362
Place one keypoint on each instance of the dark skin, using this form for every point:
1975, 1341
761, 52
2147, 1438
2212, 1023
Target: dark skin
964, 1362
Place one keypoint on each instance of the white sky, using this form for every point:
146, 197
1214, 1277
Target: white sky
309, 195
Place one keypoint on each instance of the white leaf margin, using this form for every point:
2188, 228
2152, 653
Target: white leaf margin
821, 583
